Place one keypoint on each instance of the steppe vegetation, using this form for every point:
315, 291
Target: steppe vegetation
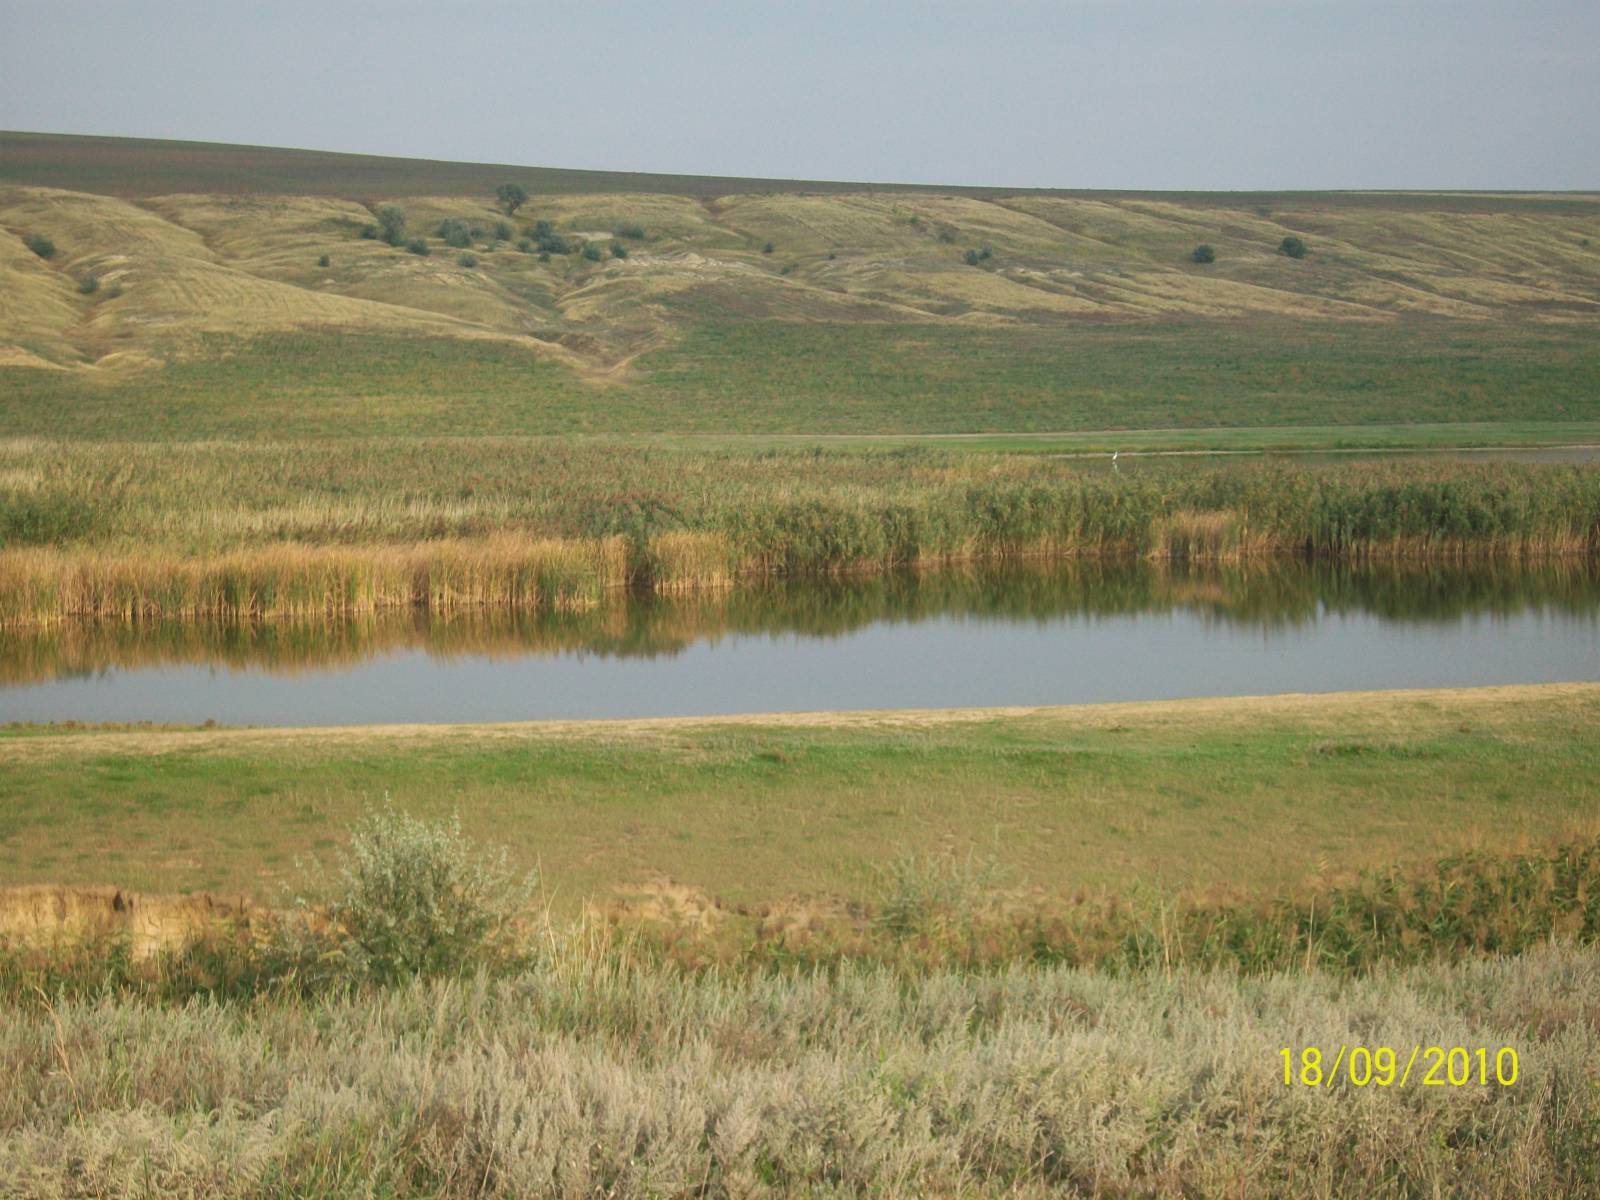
289, 1060
1085, 311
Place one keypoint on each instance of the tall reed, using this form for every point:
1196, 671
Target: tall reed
142, 544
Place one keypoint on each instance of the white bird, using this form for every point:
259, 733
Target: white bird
1114, 454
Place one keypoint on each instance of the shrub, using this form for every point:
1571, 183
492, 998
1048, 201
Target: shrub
413, 897
1292, 246
419, 247
511, 196
369, 232
468, 260
41, 245
768, 248
503, 231
932, 897
548, 240
525, 246
1204, 254
392, 223
324, 261
636, 232
971, 258
618, 250
591, 251
985, 254
88, 284
544, 256
455, 232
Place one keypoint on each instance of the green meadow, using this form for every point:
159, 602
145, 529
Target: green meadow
1166, 385
1262, 794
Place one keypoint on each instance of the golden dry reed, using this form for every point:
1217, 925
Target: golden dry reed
503, 571
557, 527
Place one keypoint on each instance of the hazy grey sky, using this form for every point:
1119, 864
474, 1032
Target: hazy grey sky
1076, 93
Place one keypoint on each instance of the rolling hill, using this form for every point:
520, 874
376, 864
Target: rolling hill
679, 303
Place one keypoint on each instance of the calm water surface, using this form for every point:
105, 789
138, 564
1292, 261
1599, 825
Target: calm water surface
1058, 635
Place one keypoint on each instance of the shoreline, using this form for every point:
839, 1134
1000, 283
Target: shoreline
1215, 709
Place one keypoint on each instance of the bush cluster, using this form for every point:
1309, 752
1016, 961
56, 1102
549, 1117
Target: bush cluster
455, 232
547, 240
392, 223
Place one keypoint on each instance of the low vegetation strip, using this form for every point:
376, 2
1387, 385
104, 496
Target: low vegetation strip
89, 532
411, 1040
924, 913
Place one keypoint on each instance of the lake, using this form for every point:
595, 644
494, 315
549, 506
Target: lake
1030, 634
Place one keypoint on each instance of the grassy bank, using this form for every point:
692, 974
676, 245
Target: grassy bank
1189, 795
325, 529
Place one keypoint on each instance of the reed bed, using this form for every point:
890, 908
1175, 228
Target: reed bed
502, 571
320, 528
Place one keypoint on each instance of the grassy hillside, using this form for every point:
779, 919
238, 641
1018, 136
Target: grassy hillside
184, 295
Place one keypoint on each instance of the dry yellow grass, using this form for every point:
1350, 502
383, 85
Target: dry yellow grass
175, 266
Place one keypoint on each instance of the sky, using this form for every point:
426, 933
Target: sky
1165, 94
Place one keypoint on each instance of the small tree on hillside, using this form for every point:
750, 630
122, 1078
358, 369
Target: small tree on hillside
455, 232
1292, 246
1204, 254
392, 223
511, 196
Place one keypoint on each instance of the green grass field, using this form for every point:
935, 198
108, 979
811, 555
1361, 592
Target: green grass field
1260, 794
1220, 385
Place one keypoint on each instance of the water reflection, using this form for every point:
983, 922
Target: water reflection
1267, 599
